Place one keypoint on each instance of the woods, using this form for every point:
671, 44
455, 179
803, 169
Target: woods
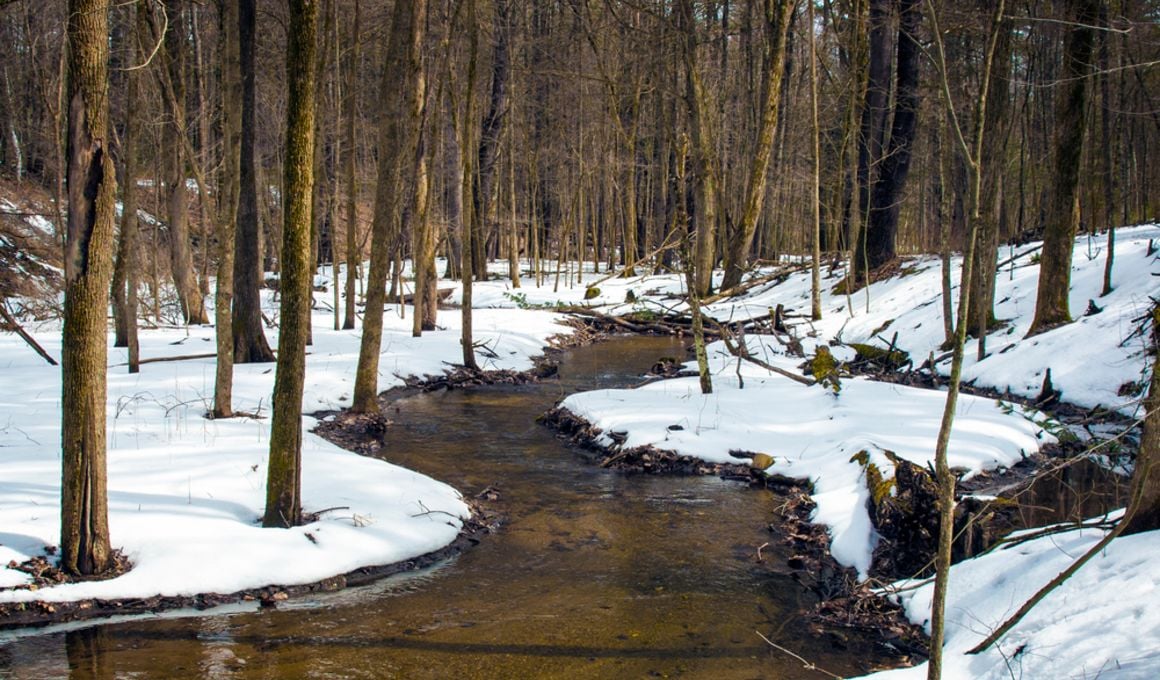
568, 119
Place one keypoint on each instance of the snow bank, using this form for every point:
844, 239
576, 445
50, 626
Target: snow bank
186, 493
811, 433
1102, 622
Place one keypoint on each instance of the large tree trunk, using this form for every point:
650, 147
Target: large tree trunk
283, 481
401, 93
777, 20
84, 534
873, 123
492, 132
1051, 303
229, 184
881, 234
250, 345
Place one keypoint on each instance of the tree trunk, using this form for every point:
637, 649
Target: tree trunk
228, 207
84, 535
491, 133
816, 188
704, 180
353, 253
125, 270
982, 314
250, 345
466, 199
881, 234
172, 82
1146, 478
401, 92
777, 19
944, 475
283, 481
872, 125
1051, 303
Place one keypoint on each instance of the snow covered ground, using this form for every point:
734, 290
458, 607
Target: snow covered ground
1104, 622
186, 493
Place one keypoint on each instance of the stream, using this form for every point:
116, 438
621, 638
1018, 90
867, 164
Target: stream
592, 574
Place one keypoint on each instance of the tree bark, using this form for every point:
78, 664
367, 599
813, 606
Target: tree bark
250, 344
881, 234
1146, 478
777, 19
84, 535
228, 206
490, 135
704, 179
172, 83
401, 93
982, 314
353, 253
125, 270
283, 481
1051, 300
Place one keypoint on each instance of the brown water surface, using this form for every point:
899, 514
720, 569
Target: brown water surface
594, 574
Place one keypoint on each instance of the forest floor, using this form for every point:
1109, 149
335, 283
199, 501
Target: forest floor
186, 491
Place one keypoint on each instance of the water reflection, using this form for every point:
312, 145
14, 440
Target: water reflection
593, 574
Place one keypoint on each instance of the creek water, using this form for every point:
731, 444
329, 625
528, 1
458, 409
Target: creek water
592, 574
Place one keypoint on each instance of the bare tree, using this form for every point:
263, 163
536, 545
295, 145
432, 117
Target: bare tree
84, 532
401, 93
284, 475
250, 344
777, 15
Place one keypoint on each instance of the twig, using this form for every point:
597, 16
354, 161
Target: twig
743, 352
1096, 549
809, 666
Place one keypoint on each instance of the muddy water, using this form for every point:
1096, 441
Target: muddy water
593, 574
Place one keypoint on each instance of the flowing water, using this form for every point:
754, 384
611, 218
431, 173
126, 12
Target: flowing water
593, 573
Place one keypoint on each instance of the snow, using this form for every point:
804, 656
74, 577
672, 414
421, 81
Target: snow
811, 433
1102, 622
186, 494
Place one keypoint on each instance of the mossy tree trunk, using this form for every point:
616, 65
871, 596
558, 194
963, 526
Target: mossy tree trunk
284, 474
777, 20
396, 145
84, 536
